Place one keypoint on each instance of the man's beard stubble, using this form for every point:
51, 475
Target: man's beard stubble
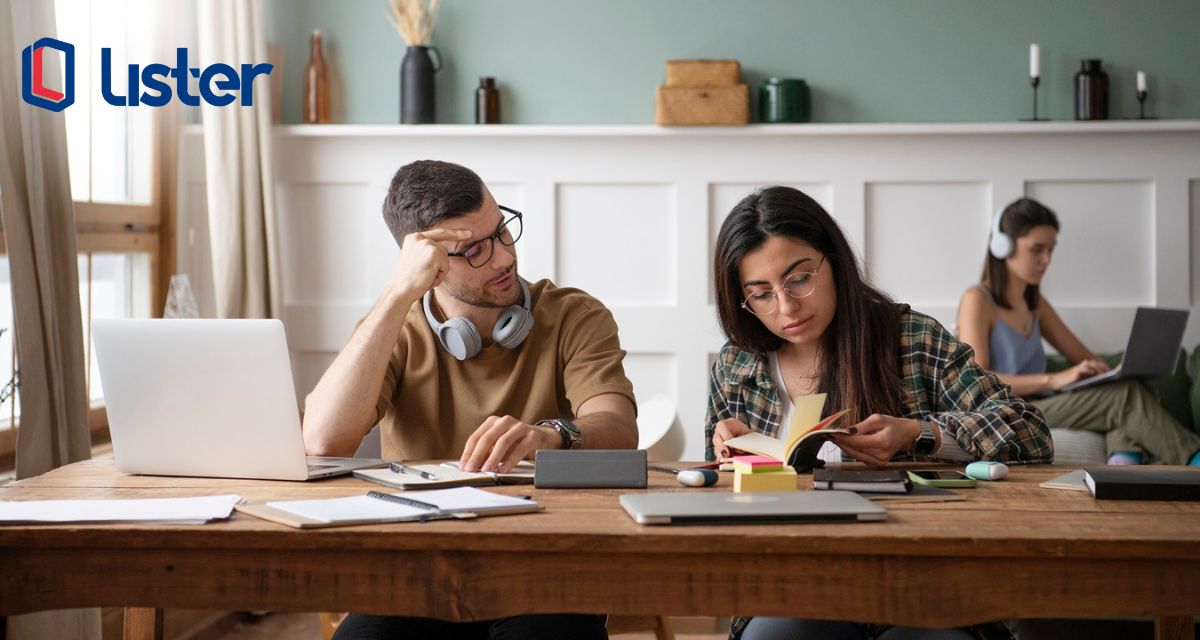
482, 299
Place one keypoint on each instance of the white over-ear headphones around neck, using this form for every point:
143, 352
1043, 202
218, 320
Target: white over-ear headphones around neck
1001, 244
459, 336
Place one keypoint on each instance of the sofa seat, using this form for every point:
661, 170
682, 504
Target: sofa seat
1078, 448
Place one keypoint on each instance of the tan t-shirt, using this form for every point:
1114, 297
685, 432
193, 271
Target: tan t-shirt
430, 403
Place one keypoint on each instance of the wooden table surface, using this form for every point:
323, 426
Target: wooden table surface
1012, 549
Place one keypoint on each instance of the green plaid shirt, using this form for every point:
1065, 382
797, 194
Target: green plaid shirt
944, 386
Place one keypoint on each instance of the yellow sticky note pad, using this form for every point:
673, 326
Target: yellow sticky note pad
784, 480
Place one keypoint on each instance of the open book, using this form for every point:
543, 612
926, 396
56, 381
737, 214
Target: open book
376, 508
806, 434
445, 475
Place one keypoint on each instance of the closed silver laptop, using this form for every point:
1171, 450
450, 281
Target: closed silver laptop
695, 507
210, 398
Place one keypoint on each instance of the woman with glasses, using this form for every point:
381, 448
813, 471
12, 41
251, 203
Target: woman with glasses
801, 320
1004, 319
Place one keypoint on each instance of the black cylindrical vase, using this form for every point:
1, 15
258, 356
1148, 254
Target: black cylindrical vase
416, 85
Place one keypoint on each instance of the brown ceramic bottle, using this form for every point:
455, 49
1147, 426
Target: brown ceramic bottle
316, 85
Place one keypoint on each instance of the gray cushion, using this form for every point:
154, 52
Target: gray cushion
1078, 448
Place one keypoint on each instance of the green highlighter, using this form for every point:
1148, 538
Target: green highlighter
947, 479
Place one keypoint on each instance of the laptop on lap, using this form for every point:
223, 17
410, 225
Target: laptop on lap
1152, 351
209, 398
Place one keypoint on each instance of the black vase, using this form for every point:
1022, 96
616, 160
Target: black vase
416, 85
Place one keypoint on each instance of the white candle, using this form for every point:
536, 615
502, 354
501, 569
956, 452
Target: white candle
1033, 61
1141, 81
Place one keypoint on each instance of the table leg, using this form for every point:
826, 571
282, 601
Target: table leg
143, 623
1174, 628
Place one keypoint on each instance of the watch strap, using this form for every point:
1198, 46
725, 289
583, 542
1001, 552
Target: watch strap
926, 441
571, 437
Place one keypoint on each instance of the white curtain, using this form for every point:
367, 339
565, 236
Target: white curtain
240, 181
39, 227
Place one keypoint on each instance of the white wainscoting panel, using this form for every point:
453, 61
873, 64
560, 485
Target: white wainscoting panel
627, 228
1105, 253
630, 214
907, 227
317, 220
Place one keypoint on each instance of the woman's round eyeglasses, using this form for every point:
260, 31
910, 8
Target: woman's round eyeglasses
798, 284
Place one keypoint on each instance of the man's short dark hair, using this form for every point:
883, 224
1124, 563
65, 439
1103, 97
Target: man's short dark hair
427, 192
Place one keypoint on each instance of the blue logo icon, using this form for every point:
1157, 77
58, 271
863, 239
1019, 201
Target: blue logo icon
33, 78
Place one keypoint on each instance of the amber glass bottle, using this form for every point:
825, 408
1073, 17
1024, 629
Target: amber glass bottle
316, 85
487, 102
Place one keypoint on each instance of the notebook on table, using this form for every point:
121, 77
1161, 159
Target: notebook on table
1152, 350
1072, 481
376, 507
1142, 483
444, 475
209, 398
750, 508
863, 480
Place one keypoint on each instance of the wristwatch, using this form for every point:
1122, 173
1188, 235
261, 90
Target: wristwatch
926, 442
571, 437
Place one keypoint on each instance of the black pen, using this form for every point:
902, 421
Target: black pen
397, 467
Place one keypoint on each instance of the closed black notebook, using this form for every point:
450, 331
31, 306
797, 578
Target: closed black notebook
869, 480
1142, 483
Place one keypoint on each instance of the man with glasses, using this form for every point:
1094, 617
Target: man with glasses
462, 358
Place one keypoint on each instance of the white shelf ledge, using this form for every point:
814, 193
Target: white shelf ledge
754, 130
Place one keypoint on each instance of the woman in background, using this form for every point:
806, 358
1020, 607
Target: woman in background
1005, 317
801, 320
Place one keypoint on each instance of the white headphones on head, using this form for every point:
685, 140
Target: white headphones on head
1001, 244
459, 336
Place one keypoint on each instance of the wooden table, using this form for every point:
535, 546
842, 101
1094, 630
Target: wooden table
1011, 550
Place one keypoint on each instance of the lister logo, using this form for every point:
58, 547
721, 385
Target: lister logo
152, 85
217, 82
33, 78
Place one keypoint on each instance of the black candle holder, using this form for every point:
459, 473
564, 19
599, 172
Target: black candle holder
1141, 95
1035, 81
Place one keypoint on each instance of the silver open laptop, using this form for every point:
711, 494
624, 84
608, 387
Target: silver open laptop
693, 507
210, 398
1152, 351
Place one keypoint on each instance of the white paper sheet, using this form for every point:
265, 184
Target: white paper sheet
189, 510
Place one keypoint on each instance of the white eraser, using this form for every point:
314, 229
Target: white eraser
697, 477
987, 470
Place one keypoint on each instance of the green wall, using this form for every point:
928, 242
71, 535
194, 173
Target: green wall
598, 61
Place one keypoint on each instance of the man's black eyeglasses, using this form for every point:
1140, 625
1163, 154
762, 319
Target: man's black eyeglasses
507, 232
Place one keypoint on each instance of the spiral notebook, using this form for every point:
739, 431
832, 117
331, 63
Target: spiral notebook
375, 507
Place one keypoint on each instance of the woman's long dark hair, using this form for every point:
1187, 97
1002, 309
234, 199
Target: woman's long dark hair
861, 347
1017, 220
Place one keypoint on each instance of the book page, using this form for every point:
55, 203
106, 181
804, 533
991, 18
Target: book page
468, 499
807, 415
758, 443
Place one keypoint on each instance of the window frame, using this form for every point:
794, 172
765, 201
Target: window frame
107, 227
